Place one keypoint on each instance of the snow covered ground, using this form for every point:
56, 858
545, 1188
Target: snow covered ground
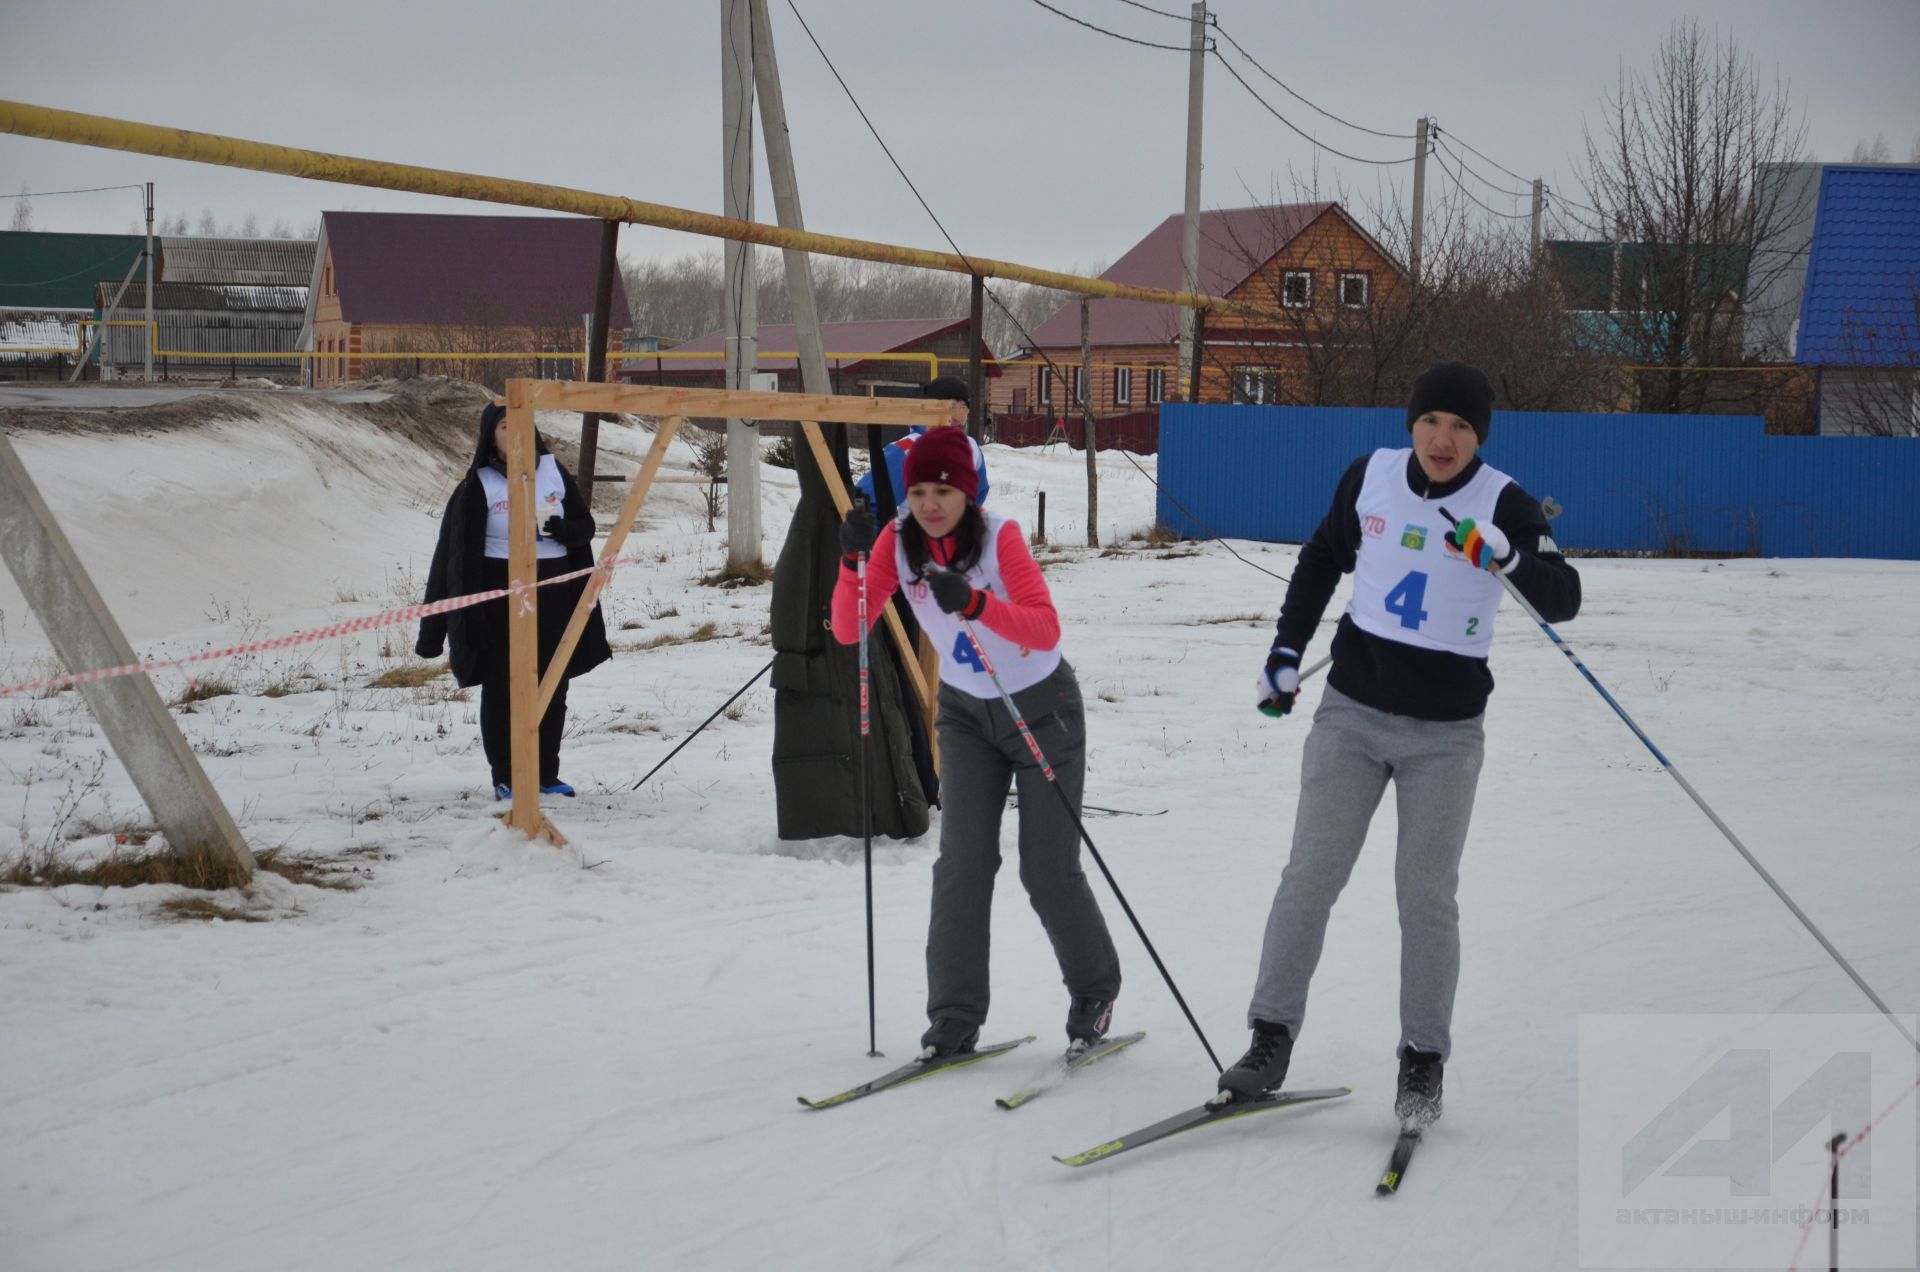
493, 1055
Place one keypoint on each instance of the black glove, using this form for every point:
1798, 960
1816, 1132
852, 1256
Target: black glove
857, 532
428, 649
569, 534
954, 595
1280, 682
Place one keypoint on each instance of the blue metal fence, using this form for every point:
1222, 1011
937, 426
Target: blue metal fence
1715, 484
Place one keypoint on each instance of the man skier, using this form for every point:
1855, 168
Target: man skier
1404, 703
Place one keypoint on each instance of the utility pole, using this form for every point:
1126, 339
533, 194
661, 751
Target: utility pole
1190, 226
1086, 407
786, 207
1539, 203
740, 310
148, 342
1419, 195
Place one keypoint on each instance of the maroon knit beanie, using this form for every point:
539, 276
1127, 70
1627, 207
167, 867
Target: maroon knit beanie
943, 455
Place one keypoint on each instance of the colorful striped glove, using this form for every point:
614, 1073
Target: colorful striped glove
1485, 545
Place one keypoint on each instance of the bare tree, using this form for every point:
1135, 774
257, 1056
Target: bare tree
22, 212
1875, 151
1673, 174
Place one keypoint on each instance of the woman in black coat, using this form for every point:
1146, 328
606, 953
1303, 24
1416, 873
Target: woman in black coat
472, 557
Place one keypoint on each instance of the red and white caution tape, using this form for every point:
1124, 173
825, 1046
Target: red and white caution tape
386, 618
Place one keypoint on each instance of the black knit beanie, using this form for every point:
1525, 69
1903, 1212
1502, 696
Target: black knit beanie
950, 388
1454, 387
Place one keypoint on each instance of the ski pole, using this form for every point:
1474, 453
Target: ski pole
866, 803
1695, 796
704, 723
1039, 757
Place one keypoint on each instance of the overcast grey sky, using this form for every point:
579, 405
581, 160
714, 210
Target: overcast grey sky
1034, 139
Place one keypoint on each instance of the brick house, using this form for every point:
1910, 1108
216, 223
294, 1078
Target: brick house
428, 283
1308, 261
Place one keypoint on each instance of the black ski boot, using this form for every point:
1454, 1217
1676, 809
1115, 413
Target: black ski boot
948, 1036
1263, 1068
1418, 1104
1088, 1020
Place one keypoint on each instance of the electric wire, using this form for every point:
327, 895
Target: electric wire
1011, 317
47, 194
1177, 48
1310, 138
1177, 17
1464, 166
1392, 136
1439, 159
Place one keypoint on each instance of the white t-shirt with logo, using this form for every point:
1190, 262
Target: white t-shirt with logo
550, 497
1409, 584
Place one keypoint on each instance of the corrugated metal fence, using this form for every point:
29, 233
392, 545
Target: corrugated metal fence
1713, 484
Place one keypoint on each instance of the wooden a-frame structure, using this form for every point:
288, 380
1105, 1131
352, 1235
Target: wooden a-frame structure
530, 693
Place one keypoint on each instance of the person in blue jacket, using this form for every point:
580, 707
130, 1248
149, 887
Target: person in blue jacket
948, 388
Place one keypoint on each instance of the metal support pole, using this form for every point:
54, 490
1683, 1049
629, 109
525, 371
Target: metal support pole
1086, 407
149, 333
599, 329
977, 409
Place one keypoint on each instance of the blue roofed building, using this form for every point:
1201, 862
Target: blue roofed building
1859, 323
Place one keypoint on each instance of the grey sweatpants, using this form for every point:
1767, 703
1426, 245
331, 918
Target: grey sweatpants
1350, 755
981, 755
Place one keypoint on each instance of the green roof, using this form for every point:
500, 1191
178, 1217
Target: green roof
60, 271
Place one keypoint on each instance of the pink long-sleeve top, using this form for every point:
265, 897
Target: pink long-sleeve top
1019, 606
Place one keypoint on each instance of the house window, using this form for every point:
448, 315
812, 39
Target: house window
1256, 385
1122, 385
1079, 387
1156, 385
1353, 291
1046, 386
1296, 289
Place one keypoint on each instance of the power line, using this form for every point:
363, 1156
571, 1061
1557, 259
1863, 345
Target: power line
1439, 151
1491, 185
1177, 48
1297, 97
1177, 17
1026, 335
1509, 171
47, 194
1312, 140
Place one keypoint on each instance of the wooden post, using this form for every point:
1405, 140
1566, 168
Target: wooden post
1040, 528
842, 501
523, 622
610, 551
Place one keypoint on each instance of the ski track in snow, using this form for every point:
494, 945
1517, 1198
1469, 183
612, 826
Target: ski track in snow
493, 1055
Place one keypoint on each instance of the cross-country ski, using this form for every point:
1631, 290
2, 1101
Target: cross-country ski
1060, 1068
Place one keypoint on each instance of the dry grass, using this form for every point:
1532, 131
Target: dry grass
408, 675
699, 635
731, 576
1222, 620
201, 690
200, 909
198, 869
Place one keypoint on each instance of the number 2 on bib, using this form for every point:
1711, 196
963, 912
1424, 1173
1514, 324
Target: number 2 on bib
1403, 602
965, 654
